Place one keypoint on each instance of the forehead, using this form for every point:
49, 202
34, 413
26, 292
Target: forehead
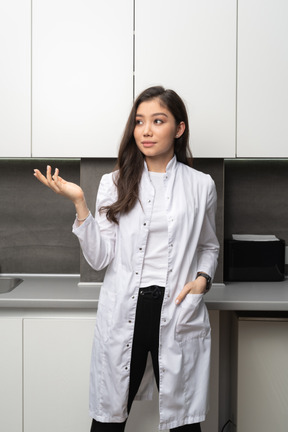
151, 107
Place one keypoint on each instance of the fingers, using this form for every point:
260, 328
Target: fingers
182, 294
194, 287
48, 173
56, 182
55, 177
40, 177
51, 181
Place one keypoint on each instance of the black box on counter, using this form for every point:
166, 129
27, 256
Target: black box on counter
252, 260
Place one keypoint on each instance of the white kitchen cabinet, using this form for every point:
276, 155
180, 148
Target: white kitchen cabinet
262, 396
56, 374
262, 78
82, 68
190, 46
15, 82
11, 374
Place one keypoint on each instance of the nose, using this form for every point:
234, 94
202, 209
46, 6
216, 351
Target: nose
147, 130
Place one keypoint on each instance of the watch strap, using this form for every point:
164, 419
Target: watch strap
208, 279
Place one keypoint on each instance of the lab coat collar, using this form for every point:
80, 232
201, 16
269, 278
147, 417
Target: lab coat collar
170, 166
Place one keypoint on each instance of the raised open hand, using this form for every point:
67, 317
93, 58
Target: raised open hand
60, 186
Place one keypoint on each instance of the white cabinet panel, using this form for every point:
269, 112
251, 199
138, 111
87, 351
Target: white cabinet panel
56, 374
262, 78
262, 376
190, 46
15, 82
11, 374
82, 76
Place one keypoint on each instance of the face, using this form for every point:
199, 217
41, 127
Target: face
155, 132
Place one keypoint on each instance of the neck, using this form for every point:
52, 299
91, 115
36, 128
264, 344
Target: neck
157, 165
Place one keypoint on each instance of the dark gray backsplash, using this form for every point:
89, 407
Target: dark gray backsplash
256, 198
91, 173
35, 223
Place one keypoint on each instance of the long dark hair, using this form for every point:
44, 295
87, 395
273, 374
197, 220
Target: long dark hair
130, 162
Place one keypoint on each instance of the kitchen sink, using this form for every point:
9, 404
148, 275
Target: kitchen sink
7, 284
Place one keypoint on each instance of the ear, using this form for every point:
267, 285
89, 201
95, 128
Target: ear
180, 129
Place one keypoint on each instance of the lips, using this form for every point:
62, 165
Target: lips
148, 144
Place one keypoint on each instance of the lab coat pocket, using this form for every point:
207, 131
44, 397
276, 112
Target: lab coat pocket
193, 320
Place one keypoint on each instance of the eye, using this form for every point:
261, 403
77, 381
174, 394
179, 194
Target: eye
138, 122
158, 121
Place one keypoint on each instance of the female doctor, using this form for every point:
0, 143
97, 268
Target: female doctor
154, 229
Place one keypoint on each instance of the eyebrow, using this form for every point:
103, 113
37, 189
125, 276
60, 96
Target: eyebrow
153, 115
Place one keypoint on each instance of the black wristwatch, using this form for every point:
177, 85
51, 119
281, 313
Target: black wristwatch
208, 279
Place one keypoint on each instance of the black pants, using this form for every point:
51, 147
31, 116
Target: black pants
145, 340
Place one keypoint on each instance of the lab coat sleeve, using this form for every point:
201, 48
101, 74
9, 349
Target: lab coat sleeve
97, 236
208, 245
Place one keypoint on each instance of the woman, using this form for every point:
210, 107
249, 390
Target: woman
154, 228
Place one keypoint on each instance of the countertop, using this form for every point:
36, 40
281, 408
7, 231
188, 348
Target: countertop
249, 296
51, 291
66, 291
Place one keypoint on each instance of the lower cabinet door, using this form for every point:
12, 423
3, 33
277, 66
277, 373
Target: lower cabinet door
262, 399
11, 374
56, 374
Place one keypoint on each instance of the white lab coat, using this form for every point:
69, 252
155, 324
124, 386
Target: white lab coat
184, 346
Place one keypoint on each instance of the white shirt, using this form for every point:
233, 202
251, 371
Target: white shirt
156, 253
184, 340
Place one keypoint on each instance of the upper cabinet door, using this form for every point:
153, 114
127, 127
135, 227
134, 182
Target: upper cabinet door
82, 76
190, 46
262, 78
15, 82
